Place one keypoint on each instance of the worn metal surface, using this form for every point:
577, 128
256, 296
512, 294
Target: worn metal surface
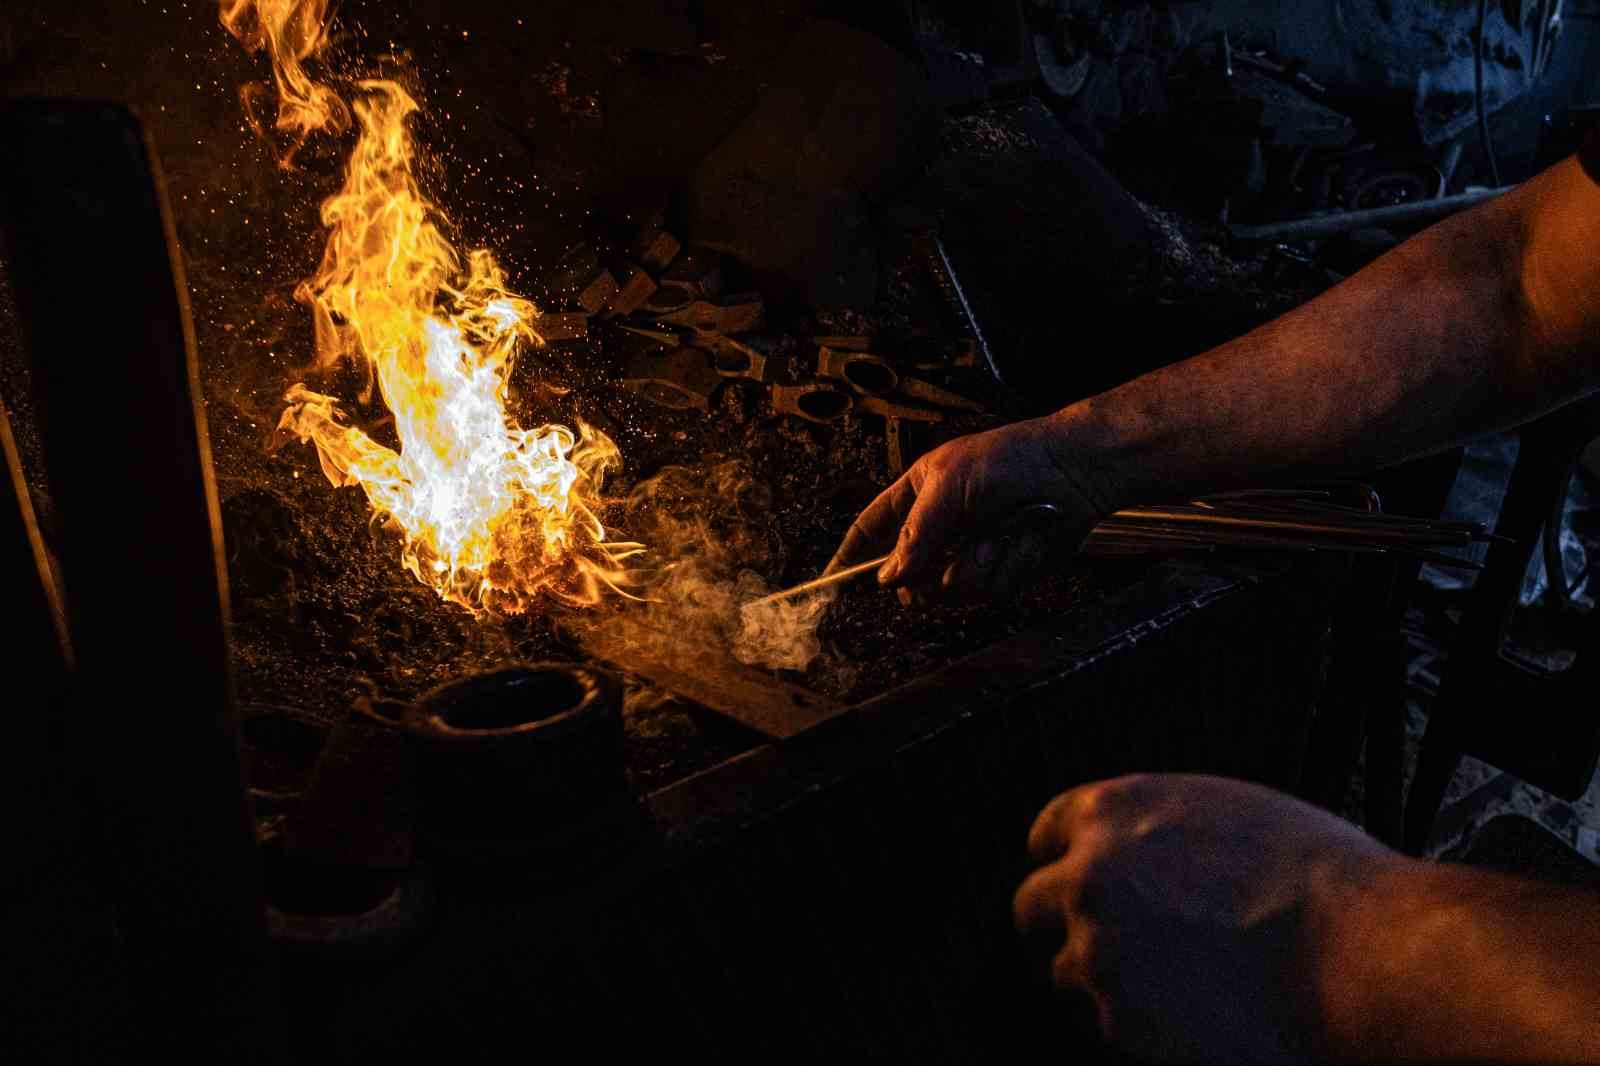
599, 292
657, 250
846, 895
563, 326
679, 380
929, 393
751, 697
845, 344
634, 288
739, 314
815, 402
889, 407
863, 371
733, 359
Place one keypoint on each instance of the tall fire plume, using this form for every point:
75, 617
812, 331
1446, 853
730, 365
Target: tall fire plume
493, 516
291, 32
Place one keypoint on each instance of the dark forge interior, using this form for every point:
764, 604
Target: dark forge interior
282, 799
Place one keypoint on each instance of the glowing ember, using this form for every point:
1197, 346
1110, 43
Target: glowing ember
493, 515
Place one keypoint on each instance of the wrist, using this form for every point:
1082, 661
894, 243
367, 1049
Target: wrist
1368, 912
1092, 464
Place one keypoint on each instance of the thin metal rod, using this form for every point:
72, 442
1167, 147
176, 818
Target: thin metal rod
1158, 528
821, 582
966, 309
1321, 226
1327, 526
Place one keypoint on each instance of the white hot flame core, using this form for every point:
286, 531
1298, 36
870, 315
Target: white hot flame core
493, 515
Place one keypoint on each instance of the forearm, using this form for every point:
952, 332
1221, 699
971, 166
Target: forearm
1434, 343
1448, 964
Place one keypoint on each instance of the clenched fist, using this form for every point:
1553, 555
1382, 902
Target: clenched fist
1193, 915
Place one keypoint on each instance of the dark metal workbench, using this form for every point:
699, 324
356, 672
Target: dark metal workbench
847, 895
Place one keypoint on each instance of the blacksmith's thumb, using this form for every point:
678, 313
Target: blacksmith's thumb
919, 553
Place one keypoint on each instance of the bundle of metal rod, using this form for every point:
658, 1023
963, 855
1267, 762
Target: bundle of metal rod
1282, 520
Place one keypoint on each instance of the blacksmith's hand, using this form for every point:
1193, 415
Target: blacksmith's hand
945, 519
1191, 917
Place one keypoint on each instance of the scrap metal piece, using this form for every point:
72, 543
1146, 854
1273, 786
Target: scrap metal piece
844, 344
598, 293
697, 272
660, 336
751, 697
887, 407
894, 438
666, 299
657, 251
925, 352
564, 326
694, 275
816, 402
930, 393
732, 359
741, 314
682, 380
863, 371
633, 291
830, 363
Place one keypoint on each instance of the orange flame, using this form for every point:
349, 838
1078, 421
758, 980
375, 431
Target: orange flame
493, 515
291, 31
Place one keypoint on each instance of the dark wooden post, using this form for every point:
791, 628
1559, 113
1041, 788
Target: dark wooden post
98, 282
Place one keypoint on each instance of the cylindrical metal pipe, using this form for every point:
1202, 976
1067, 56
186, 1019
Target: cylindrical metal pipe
518, 756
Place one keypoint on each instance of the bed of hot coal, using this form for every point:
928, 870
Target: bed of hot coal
322, 611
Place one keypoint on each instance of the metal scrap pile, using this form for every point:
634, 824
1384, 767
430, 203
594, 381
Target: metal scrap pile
681, 333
